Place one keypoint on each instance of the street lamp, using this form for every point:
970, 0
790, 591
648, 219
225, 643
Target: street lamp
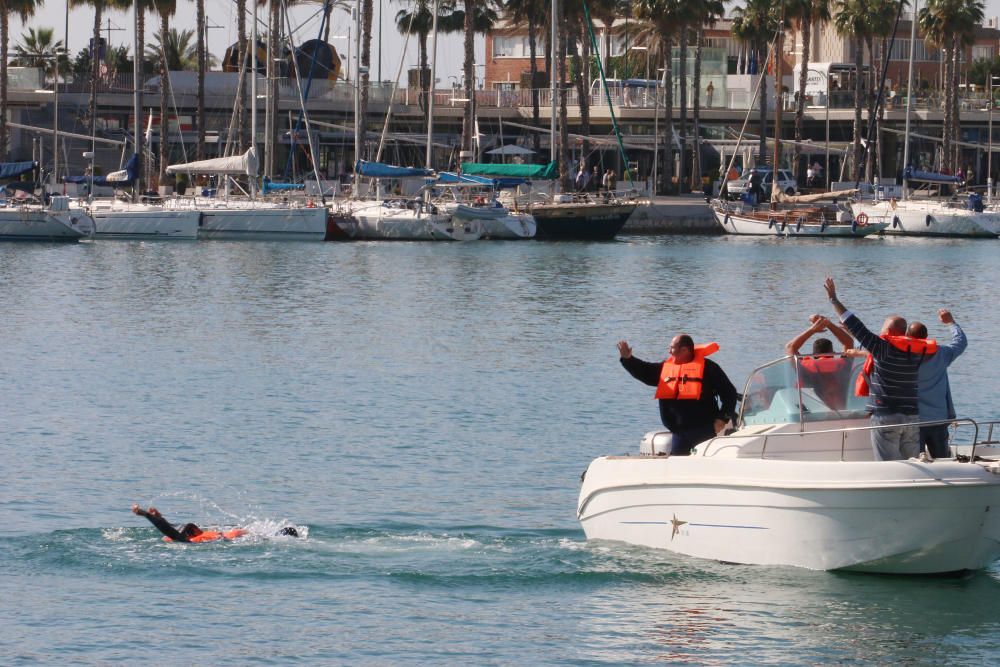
826, 84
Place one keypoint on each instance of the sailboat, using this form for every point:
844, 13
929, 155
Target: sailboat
24, 218
926, 215
744, 218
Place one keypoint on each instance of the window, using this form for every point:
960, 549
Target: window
510, 46
982, 53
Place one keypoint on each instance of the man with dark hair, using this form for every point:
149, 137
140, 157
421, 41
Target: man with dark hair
827, 374
893, 363
192, 533
696, 399
934, 390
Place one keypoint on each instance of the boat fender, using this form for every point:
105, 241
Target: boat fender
798, 223
771, 222
784, 223
895, 221
822, 226
928, 220
854, 226
726, 220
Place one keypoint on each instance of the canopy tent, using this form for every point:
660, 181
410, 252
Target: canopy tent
382, 170
15, 169
235, 165
511, 149
546, 172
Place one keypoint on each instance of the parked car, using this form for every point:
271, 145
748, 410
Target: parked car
785, 181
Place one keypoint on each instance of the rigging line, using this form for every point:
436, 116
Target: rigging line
607, 93
395, 86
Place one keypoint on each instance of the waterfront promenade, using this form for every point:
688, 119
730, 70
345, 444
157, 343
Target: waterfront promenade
687, 214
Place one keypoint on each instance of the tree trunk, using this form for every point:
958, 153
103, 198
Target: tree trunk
367, 13
859, 58
536, 111
872, 101
682, 176
95, 67
565, 178
140, 127
585, 98
948, 109
274, 92
696, 106
468, 120
202, 65
762, 111
956, 114
581, 88
241, 38
424, 76
800, 108
4, 30
164, 96
668, 104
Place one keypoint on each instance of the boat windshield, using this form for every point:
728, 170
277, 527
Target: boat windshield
803, 389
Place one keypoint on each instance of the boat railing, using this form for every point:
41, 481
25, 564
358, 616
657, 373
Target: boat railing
845, 432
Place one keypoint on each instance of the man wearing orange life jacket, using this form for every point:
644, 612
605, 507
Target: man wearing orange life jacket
192, 533
827, 374
696, 399
895, 364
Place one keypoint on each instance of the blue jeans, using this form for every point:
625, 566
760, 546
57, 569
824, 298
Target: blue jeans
935, 439
895, 443
682, 442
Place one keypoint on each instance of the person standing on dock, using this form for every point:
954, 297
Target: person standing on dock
893, 364
695, 396
934, 391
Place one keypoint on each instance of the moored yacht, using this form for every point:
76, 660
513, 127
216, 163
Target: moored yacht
796, 484
37, 222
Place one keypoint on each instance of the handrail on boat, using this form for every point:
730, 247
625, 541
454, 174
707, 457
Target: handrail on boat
845, 431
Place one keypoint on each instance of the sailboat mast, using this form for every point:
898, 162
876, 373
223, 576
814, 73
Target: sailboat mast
430, 100
552, 80
136, 104
909, 96
55, 120
778, 101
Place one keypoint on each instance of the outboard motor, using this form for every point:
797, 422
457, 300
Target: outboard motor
656, 443
975, 202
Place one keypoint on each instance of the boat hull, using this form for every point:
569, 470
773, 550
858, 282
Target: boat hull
733, 222
510, 227
899, 517
404, 224
139, 222
584, 221
31, 223
260, 222
929, 218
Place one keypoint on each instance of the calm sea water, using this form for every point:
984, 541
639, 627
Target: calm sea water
423, 413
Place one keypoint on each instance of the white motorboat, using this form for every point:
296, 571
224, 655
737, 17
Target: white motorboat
124, 220
796, 484
36, 222
743, 220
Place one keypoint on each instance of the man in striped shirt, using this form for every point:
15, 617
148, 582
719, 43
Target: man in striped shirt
894, 380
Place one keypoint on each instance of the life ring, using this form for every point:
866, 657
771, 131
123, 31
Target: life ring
861, 219
311, 204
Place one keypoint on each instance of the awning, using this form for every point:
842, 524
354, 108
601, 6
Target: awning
511, 149
545, 172
15, 169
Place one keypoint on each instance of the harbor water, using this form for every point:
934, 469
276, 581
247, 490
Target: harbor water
422, 412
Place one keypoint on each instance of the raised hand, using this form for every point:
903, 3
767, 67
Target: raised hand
945, 316
624, 351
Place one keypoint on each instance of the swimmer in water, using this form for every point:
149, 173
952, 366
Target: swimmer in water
190, 532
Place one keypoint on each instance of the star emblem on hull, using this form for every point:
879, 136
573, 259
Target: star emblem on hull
676, 523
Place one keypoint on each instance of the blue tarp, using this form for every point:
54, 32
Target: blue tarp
382, 170
15, 169
911, 174
271, 186
131, 167
501, 183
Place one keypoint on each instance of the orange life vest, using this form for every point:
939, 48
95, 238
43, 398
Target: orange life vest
213, 535
921, 346
823, 364
683, 382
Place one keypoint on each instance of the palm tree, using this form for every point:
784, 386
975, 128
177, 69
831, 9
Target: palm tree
166, 8
22, 9
202, 66
367, 15
851, 21
419, 20
37, 49
477, 16
180, 47
806, 14
756, 25
533, 13
881, 21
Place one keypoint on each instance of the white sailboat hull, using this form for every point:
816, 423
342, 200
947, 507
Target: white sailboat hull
902, 517
36, 223
916, 217
403, 224
738, 223
510, 226
138, 221
257, 221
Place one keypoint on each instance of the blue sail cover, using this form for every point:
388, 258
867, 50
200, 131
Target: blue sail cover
449, 178
382, 170
270, 186
116, 178
912, 174
15, 169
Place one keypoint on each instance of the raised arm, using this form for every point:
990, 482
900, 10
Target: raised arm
841, 334
643, 371
792, 346
161, 524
